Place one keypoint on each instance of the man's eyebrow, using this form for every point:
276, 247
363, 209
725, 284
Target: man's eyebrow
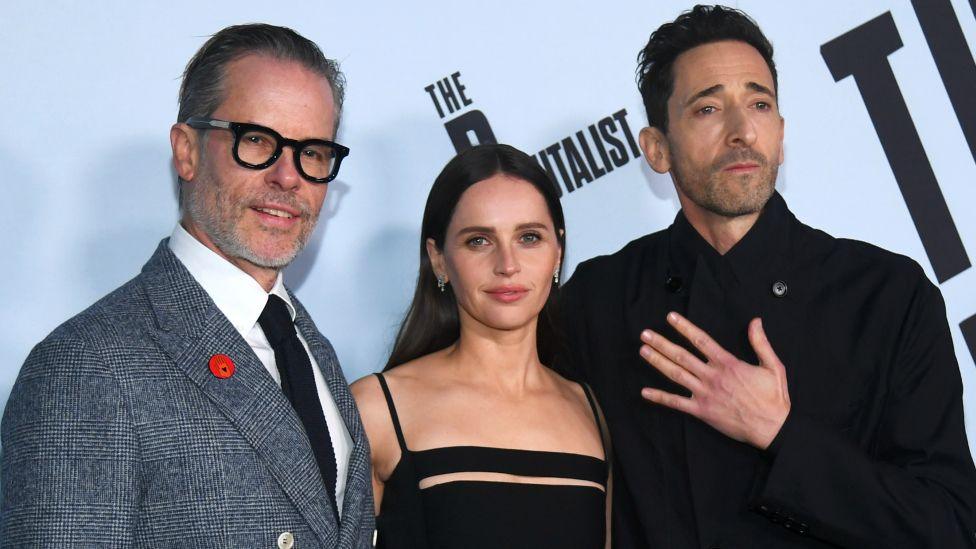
754, 86
761, 89
705, 93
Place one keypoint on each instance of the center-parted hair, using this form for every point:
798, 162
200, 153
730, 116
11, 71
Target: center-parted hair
432, 321
202, 90
696, 27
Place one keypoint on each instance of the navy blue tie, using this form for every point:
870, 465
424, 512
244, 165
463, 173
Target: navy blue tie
298, 384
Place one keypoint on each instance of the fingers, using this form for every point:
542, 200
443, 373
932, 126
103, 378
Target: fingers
675, 355
673, 371
701, 340
675, 402
760, 344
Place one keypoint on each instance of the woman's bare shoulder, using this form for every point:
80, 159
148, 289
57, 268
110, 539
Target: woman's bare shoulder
423, 369
369, 399
569, 388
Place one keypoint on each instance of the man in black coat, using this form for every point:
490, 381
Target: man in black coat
765, 384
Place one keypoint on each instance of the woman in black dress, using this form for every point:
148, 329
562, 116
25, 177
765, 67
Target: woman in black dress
475, 441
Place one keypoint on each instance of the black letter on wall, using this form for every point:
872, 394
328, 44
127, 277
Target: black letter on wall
471, 121
951, 54
968, 328
863, 53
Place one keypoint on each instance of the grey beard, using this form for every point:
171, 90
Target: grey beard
221, 228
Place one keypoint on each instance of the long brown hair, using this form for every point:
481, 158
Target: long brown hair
431, 322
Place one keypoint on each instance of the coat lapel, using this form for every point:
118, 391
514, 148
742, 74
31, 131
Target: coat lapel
357, 498
191, 330
656, 287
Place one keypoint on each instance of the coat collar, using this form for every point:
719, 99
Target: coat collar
237, 294
663, 278
762, 253
191, 329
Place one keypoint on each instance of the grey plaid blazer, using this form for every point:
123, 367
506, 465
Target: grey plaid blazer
116, 433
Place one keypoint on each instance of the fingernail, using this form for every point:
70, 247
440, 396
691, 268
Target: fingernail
673, 316
645, 351
647, 393
647, 335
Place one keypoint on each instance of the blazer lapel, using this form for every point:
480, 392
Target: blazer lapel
653, 289
191, 330
357, 498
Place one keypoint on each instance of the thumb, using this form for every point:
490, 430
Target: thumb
762, 347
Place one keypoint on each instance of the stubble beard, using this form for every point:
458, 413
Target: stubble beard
221, 220
728, 194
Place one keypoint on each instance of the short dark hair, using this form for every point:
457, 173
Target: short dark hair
432, 322
698, 26
202, 90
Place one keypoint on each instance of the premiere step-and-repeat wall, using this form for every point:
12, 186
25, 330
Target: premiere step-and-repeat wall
877, 97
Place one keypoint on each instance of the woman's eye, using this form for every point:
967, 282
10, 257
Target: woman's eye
531, 238
477, 241
708, 109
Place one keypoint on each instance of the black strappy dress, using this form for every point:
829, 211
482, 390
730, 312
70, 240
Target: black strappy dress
484, 514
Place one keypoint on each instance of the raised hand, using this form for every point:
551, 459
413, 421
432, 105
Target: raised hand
746, 402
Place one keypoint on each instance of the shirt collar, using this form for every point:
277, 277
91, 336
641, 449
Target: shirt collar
762, 250
238, 296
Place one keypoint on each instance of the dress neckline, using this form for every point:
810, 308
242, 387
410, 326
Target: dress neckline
512, 451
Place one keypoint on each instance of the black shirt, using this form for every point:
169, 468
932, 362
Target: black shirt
874, 451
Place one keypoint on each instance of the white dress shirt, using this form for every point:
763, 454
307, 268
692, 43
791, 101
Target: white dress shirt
241, 299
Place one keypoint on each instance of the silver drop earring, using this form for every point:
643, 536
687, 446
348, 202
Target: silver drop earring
441, 282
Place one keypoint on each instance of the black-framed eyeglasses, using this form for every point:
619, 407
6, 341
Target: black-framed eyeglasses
257, 147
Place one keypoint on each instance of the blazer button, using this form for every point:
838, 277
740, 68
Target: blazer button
674, 284
286, 540
780, 288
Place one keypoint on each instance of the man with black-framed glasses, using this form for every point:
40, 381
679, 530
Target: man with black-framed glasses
198, 404
257, 147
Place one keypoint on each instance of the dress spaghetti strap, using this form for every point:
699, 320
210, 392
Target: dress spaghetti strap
604, 435
393, 412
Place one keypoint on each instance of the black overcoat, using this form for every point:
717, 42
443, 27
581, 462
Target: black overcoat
874, 452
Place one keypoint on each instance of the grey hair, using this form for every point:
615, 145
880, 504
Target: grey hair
202, 90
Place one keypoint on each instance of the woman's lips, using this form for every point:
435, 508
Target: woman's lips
507, 294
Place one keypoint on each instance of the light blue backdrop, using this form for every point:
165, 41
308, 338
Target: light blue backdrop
89, 92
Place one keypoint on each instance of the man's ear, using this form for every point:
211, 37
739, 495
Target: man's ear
186, 152
782, 134
436, 259
656, 150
